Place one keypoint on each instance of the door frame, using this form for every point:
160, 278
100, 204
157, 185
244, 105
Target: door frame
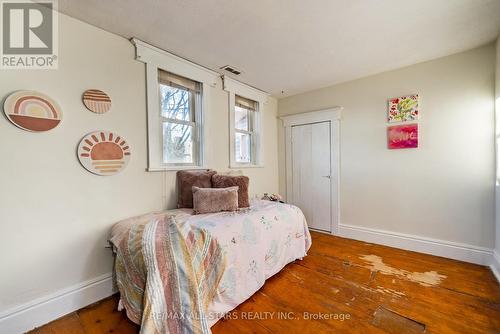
332, 115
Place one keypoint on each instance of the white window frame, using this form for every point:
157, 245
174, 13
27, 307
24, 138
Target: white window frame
253, 119
197, 126
234, 87
156, 59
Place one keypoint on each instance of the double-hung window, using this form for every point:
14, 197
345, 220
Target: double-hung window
180, 108
245, 123
246, 139
176, 97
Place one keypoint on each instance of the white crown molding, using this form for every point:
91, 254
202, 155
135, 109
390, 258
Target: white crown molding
448, 249
45, 309
167, 61
244, 90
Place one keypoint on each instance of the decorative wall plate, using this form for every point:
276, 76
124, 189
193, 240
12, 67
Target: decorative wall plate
32, 111
103, 152
96, 101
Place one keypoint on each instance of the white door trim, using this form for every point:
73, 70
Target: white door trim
332, 115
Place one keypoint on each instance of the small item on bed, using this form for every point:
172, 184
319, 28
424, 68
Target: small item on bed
186, 179
210, 200
224, 181
273, 198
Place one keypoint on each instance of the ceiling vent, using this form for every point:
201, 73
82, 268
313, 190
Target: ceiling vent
231, 69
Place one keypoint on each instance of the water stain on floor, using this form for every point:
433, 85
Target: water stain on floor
428, 278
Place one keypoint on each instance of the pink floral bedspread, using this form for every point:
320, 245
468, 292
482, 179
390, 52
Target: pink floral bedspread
256, 243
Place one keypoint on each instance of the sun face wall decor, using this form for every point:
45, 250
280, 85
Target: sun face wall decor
103, 152
96, 101
32, 111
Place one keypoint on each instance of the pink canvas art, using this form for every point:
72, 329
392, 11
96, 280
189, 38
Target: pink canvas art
402, 136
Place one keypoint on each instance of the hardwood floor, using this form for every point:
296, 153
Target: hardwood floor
344, 286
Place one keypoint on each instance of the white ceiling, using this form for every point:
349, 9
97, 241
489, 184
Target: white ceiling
298, 45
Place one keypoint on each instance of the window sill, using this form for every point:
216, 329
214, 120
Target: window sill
174, 168
240, 166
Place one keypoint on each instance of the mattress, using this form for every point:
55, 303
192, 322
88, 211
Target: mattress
256, 243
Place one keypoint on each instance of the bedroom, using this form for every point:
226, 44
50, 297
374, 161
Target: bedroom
409, 238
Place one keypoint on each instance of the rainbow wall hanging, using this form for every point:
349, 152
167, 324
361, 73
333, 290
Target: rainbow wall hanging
32, 111
103, 152
96, 101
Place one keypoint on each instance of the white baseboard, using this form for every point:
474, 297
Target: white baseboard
48, 308
495, 265
452, 250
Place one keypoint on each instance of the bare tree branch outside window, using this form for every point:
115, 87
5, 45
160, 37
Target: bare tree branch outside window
176, 105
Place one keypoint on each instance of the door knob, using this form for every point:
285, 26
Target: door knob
327, 176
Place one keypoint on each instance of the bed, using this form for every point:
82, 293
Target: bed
180, 273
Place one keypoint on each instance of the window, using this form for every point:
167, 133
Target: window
175, 107
180, 106
245, 136
245, 118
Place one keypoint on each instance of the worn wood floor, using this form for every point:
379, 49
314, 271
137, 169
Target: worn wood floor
344, 286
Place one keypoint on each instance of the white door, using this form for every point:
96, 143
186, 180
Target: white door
311, 173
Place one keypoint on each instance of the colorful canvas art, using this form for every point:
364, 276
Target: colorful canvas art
403, 109
402, 136
96, 101
103, 153
32, 111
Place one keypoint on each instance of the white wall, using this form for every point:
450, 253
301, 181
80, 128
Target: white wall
442, 190
54, 215
497, 198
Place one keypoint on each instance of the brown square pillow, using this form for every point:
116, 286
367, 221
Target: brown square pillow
208, 200
186, 179
225, 181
